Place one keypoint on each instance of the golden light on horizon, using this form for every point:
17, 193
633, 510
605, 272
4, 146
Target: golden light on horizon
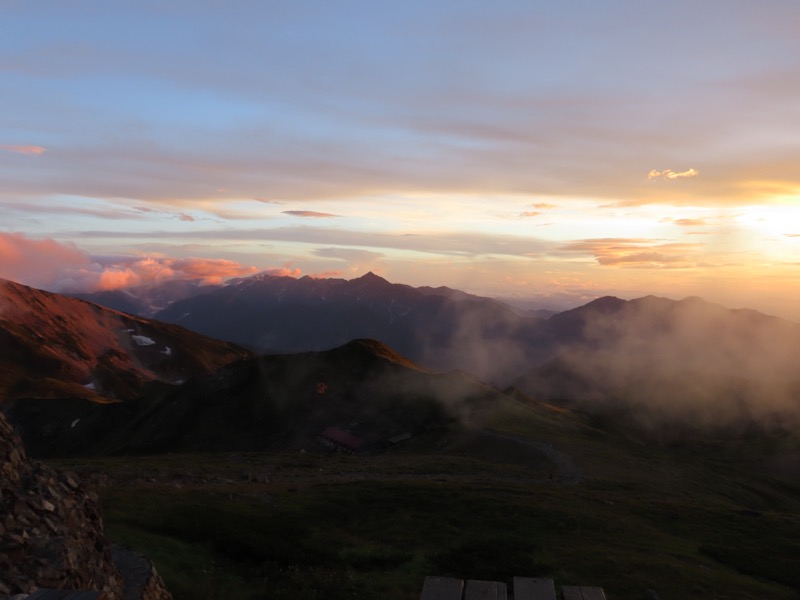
776, 221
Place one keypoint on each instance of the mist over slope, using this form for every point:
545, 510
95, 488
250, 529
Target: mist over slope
55, 346
674, 366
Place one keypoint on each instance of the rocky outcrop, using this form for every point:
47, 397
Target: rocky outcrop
51, 532
142, 582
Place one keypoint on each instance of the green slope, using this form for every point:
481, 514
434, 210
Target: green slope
694, 522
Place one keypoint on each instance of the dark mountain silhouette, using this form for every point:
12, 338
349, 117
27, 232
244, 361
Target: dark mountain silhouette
440, 328
59, 347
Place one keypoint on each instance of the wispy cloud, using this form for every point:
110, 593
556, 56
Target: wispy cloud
35, 208
467, 244
358, 260
30, 150
181, 216
670, 174
529, 213
636, 252
689, 222
310, 214
349, 254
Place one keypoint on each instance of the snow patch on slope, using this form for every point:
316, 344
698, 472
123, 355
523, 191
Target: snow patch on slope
143, 340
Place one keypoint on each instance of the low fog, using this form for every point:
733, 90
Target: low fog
673, 366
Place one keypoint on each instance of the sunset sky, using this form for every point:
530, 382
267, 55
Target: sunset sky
552, 151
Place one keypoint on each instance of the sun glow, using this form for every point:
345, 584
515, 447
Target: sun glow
770, 220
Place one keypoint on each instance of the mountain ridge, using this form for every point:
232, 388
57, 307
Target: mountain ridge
56, 345
650, 363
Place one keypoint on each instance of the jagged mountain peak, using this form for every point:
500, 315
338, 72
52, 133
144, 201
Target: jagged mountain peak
371, 278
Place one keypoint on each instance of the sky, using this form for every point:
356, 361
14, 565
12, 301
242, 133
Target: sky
550, 152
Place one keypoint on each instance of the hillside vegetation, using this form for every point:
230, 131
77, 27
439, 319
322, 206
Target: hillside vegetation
695, 522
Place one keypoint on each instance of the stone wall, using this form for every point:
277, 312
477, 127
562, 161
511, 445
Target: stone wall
51, 531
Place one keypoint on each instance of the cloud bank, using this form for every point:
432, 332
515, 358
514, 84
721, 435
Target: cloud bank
63, 267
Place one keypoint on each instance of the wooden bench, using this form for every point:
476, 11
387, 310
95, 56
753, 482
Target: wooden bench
485, 590
525, 588
529, 588
575, 592
442, 588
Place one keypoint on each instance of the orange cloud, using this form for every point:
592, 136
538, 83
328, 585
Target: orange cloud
158, 269
37, 262
636, 253
285, 271
690, 222
530, 213
114, 280
30, 150
208, 269
310, 214
61, 267
670, 174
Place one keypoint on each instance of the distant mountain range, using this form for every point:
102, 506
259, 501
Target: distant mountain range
668, 369
440, 328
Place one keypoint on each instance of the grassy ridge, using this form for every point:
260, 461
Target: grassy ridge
688, 524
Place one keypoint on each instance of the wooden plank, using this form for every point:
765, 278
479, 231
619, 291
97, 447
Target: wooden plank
485, 590
583, 592
571, 592
441, 588
532, 588
592, 593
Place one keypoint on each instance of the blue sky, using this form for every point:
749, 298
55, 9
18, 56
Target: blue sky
552, 151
